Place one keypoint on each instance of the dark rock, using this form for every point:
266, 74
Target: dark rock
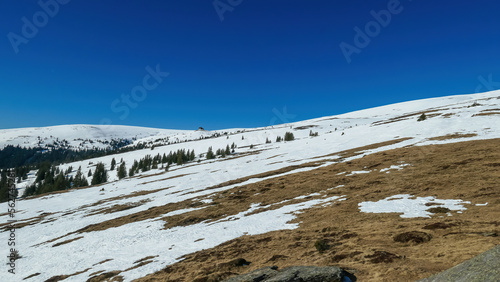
484, 267
296, 274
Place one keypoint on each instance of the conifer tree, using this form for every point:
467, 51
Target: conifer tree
289, 136
100, 174
122, 171
210, 153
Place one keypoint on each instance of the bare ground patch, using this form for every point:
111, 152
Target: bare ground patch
358, 241
453, 136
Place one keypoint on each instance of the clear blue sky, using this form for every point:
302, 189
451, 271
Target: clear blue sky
263, 55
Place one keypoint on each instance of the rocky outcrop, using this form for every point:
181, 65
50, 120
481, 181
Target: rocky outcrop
484, 267
296, 274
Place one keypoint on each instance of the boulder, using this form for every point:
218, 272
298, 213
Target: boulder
484, 267
296, 274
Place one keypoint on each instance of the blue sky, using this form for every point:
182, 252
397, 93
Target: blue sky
265, 62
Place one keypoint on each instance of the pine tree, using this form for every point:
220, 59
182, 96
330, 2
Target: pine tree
100, 174
90, 173
289, 136
122, 171
210, 153
228, 151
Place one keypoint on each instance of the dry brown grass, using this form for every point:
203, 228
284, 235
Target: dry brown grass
67, 241
409, 116
486, 114
453, 136
362, 242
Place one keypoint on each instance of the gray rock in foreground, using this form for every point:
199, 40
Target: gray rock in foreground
484, 267
295, 274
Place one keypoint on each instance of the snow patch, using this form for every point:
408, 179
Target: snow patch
410, 206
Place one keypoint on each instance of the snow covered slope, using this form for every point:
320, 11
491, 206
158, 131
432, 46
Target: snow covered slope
78, 136
84, 232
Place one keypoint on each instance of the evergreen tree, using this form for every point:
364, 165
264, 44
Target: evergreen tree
4, 187
122, 171
90, 173
422, 117
289, 136
210, 153
100, 174
228, 151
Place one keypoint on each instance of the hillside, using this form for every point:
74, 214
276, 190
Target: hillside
366, 177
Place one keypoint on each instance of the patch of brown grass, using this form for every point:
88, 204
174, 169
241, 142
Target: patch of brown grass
486, 114
67, 241
453, 136
363, 241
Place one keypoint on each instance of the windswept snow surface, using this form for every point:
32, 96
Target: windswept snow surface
410, 206
68, 212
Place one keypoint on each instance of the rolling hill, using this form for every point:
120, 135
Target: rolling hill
398, 192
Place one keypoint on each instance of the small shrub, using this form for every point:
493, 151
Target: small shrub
438, 210
321, 245
422, 117
417, 237
382, 257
